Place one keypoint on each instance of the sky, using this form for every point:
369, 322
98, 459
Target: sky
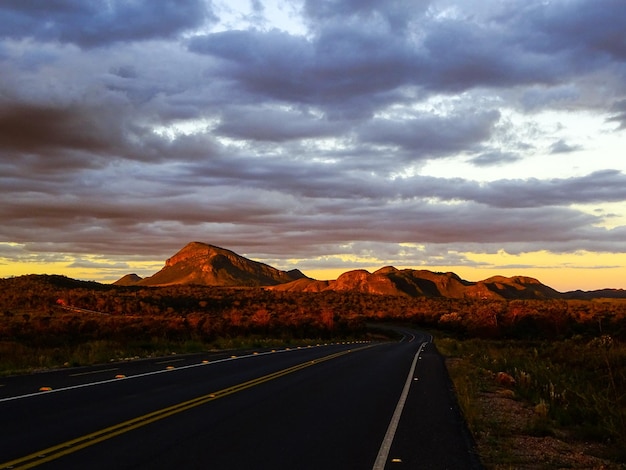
484, 138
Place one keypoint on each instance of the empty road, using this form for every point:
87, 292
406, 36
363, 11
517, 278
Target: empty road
341, 406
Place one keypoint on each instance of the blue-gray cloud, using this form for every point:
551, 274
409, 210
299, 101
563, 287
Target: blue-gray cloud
93, 24
164, 125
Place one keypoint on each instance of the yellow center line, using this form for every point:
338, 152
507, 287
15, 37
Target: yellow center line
71, 446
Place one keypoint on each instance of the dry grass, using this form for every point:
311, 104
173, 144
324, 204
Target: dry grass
516, 427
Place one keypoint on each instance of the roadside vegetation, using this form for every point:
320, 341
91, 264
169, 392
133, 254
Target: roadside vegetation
52, 321
565, 398
535, 378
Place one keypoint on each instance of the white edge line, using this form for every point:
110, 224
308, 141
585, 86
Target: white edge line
385, 447
145, 374
93, 372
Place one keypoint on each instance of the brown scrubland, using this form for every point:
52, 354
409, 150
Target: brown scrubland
563, 361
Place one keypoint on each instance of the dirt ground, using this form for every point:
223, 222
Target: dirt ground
505, 439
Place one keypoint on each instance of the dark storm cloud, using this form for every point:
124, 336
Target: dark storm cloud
598, 187
577, 28
395, 13
92, 24
262, 218
321, 181
273, 63
43, 128
429, 135
355, 52
347, 73
258, 123
461, 55
351, 69
308, 226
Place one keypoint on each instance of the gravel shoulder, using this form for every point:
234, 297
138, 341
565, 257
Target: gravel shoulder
512, 434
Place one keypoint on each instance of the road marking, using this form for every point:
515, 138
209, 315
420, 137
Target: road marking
136, 376
52, 453
93, 372
385, 447
169, 360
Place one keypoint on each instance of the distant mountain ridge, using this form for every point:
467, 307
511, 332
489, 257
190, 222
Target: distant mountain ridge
423, 283
204, 264
128, 280
596, 294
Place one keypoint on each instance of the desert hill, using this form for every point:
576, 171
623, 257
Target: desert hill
424, 283
203, 264
596, 294
128, 280
520, 287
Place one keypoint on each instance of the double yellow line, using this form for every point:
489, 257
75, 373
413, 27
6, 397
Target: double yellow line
74, 445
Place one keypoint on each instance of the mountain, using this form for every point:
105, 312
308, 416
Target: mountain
596, 294
128, 280
361, 280
306, 284
203, 264
520, 287
423, 283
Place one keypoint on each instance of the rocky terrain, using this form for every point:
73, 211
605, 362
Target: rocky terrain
203, 264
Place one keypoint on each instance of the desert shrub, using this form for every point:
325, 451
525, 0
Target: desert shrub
577, 384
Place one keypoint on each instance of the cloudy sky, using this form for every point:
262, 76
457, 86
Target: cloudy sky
482, 137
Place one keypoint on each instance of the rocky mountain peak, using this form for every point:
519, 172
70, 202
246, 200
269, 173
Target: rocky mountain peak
204, 264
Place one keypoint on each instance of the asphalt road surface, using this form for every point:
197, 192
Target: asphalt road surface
375, 406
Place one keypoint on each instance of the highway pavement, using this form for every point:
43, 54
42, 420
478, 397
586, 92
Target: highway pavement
374, 405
